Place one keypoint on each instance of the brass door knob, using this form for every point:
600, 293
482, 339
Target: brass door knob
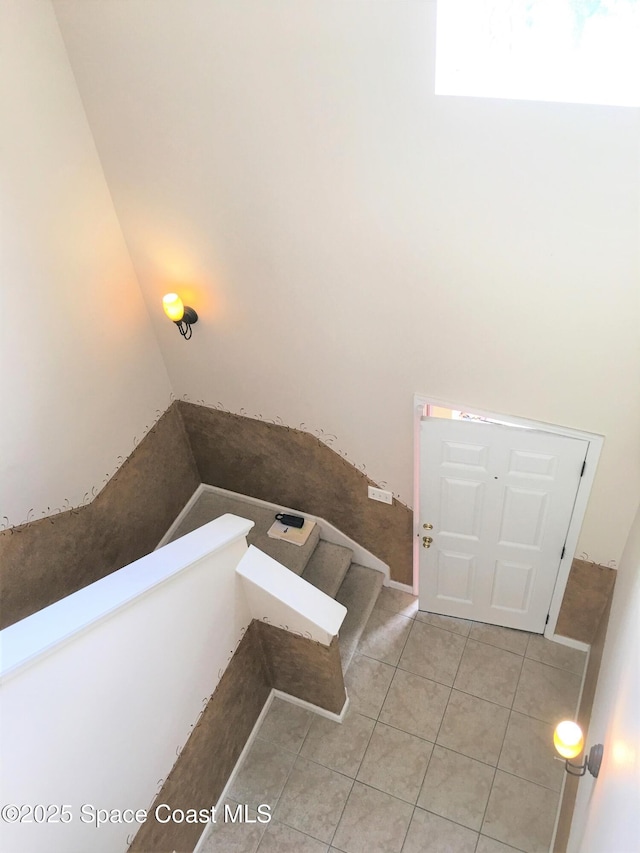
426, 541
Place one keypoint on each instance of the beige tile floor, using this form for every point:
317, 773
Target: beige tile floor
446, 748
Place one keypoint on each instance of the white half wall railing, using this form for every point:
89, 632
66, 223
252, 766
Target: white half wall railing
100, 691
281, 598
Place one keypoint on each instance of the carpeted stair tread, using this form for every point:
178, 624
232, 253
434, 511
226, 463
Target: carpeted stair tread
211, 505
358, 592
327, 567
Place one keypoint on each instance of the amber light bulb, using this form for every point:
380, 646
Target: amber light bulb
173, 307
568, 739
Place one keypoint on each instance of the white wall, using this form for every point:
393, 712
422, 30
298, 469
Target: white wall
138, 653
82, 374
349, 239
606, 816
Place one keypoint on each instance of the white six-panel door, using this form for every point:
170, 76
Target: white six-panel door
499, 501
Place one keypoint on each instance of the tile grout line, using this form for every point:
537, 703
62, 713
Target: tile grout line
511, 711
406, 832
457, 823
396, 669
342, 811
376, 719
297, 755
486, 806
494, 767
353, 780
277, 801
324, 767
435, 742
451, 688
531, 782
524, 656
504, 737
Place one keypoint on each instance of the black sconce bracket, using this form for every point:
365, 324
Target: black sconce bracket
188, 319
592, 763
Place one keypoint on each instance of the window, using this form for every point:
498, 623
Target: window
576, 51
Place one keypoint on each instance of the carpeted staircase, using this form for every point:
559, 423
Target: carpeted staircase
327, 566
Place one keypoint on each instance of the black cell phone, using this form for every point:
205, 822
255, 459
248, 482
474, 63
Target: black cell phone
290, 520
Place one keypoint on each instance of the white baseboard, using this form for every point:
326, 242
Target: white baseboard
274, 694
404, 587
322, 712
180, 518
568, 641
254, 733
328, 531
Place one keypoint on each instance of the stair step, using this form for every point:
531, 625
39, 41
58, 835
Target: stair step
358, 592
323, 564
294, 557
327, 567
212, 505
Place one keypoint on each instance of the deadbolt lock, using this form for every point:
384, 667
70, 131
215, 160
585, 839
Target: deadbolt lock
426, 541
428, 526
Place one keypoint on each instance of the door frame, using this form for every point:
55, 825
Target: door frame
595, 440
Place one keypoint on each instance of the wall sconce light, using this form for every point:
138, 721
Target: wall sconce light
569, 742
183, 316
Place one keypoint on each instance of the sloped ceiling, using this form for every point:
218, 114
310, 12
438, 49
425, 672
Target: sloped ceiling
349, 239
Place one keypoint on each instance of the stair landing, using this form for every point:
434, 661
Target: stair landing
212, 505
323, 564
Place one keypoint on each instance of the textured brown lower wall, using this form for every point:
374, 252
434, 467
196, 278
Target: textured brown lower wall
294, 468
304, 668
205, 764
584, 718
45, 560
50, 558
266, 657
587, 594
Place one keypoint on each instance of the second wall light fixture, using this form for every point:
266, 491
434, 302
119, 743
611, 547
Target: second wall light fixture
183, 316
569, 742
